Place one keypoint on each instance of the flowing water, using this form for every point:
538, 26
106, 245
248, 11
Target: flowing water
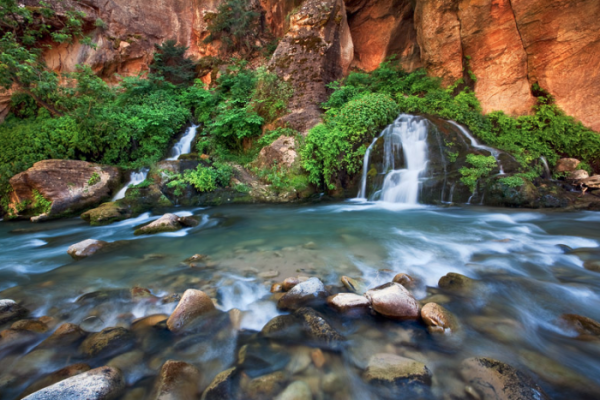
184, 145
135, 178
474, 143
526, 278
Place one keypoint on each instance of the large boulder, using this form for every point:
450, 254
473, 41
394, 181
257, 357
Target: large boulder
392, 300
166, 223
107, 213
59, 187
307, 293
566, 165
86, 248
193, 305
104, 383
55, 377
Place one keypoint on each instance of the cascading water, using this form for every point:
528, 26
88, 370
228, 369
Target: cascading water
474, 143
135, 179
184, 145
405, 139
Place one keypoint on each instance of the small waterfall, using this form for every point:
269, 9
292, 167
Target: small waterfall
475, 144
135, 179
184, 145
405, 139
547, 173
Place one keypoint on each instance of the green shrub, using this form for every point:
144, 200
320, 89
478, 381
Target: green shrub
236, 25
95, 178
481, 168
171, 63
513, 181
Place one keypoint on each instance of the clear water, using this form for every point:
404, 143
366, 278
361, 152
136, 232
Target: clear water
527, 280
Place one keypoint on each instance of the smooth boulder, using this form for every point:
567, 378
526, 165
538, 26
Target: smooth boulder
107, 213
349, 303
55, 377
353, 285
108, 342
166, 223
396, 373
392, 300
308, 293
177, 380
104, 383
298, 390
86, 248
193, 305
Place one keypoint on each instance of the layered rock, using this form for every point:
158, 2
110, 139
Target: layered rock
65, 185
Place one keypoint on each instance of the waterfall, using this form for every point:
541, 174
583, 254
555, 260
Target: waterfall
547, 173
184, 145
474, 143
405, 139
135, 179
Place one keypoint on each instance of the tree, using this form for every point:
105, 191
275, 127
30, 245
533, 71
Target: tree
236, 25
170, 62
24, 33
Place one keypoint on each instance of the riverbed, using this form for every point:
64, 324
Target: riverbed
528, 266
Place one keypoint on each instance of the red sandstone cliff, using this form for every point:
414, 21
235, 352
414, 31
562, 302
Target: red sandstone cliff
511, 44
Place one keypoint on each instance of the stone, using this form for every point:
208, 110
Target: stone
349, 303
55, 377
104, 296
129, 363
193, 305
143, 324
318, 329
68, 185
592, 182
107, 213
166, 223
390, 370
578, 175
107, 342
586, 328
16, 337
190, 222
289, 283
298, 390
318, 358
177, 380
104, 383
392, 300
438, 319
310, 292
592, 265
66, 335
268, 274
222, 387
282, 327
566, 165
276, 288
10, 310
456, 283
494, 379
281, 152
32, 325
405, 280
354, 285
266, 386
86, 248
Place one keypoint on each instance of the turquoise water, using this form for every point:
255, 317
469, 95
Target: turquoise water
527, 281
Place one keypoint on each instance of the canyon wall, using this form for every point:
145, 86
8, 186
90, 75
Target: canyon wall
509, 45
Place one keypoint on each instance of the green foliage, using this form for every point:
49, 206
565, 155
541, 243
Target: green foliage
282, 179
271, 95
171, 64
145, 183
95, 178
338, 145
271, 136
481, 168
203, 178
513, 181
236, 25
40, 204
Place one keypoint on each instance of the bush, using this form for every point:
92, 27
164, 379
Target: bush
170, 62
482, 166
236, 25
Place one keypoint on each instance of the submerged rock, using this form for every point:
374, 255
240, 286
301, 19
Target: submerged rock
438, 319
298, 390
585, 327
456, 282
396, 375
318, 330
353, 285
282, 327
193, 305
493, 379
221, 388
177, 380
592, 265
107, 213
392, 300
308, 293
266, 386
55, 377
108, 342
104, 383
31, 325
86, 248
349, 303
66, 335
10, 310
405, 280
166, 223
289, 283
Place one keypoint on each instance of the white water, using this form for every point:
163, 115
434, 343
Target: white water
184, 145
547, 173
135, 179
474, 143
407, 136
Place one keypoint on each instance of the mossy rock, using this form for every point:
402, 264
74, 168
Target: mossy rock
107, 213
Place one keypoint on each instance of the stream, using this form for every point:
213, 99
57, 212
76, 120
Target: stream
526, 275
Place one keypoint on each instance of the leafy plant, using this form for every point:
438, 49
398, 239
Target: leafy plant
171, 63
513, 181
236, 25
481, 168
95, 178
39, 205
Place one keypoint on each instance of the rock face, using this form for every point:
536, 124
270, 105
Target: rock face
67, 185
317, 49
85, 248
281, 152
392, 300
104, 383
193, 304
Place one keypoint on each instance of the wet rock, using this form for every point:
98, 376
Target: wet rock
318, 358
282, 327
396, 374
170, 298
104, 383
592, 265
353, 285
235, 317
10, 311
298, 390
504, 330
289, 283
109, 341
493, 379
66, 335
578, 175
166, 223
268, 274
55, 377
592, 182
177, 380
32, 325
193, 305
266, 386
585, 327
318, 330
310, 292
129, 363
107, 213
196, 258
349, 303
222, 387
405, 280
392, 300
190, 222
86, 248
332, 382
262, 357
300, 360
456, 282
16, 337
276, 288
103, 296
566, 165
438, 319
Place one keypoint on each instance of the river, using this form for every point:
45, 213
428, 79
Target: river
526, 280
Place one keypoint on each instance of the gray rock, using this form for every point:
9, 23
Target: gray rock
309, 293
392, 300
10, 311
85, 248
349, 303
298, 390
166, 223
55, 377
221, 388
104, 383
